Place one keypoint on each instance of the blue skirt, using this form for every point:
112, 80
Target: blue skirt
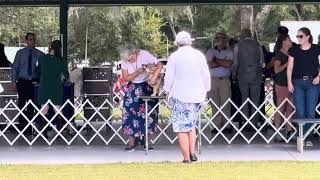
184, 116
133, 117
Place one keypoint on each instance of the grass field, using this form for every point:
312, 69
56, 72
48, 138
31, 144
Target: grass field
166, 171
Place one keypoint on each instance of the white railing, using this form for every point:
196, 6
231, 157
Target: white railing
101, 127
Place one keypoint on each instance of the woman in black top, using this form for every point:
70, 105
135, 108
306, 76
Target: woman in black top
284, 97
4, 62
303, 76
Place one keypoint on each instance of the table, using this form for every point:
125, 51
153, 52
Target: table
302, 136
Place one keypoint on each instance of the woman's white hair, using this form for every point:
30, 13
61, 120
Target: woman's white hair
127, 50
183, 38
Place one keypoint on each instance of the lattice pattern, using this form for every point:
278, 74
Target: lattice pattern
87, 130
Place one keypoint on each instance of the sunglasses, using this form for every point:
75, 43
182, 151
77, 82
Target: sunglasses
300, 36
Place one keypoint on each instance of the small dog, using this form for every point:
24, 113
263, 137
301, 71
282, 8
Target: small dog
150, 69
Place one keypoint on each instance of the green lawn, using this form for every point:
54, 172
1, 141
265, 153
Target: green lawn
166, 171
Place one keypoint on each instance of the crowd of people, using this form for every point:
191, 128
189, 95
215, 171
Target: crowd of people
192, 76
30, 67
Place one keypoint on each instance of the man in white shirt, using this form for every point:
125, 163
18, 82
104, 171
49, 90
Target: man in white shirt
220, 60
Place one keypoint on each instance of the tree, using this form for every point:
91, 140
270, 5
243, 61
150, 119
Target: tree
111, 28
260, 21
17, 21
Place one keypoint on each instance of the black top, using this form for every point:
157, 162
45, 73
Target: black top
268, 71
281, 77
4, 62
306, 62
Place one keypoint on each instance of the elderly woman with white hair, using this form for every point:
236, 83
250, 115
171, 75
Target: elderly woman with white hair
133, 117
186, 83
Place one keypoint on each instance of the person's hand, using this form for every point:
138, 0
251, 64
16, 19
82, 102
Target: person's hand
140, 70
316, 80
290, 87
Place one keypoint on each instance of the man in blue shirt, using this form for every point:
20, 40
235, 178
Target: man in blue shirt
23, 76
220, 60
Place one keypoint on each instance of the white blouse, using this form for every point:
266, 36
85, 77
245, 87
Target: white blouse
144, 57
187, 75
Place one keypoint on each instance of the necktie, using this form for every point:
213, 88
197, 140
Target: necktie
30, 63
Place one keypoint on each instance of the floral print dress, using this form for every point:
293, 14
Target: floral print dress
184, 116
133, 117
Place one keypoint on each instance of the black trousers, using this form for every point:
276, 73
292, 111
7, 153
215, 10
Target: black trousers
25, 93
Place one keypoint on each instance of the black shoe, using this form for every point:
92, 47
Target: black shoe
193, 157
149, 148
186, 161
130, 148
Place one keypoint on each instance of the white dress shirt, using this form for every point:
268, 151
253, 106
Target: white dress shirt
187, 75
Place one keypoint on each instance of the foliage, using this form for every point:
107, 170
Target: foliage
17, 21
109, 28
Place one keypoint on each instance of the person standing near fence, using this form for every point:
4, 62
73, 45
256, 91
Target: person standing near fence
23, 77
52, 67
284, 97
220, 60
186, 83
133, 117
248, 64
303, 77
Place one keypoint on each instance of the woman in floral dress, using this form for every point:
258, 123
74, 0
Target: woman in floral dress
133, 117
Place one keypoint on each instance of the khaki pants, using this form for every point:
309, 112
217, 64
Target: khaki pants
220, 92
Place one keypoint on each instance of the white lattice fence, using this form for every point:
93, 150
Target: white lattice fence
104, 128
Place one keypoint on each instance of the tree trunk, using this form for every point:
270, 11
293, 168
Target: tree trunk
172, 24
261, 20
301, 12
246, 17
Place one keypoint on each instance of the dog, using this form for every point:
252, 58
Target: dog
150, 69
